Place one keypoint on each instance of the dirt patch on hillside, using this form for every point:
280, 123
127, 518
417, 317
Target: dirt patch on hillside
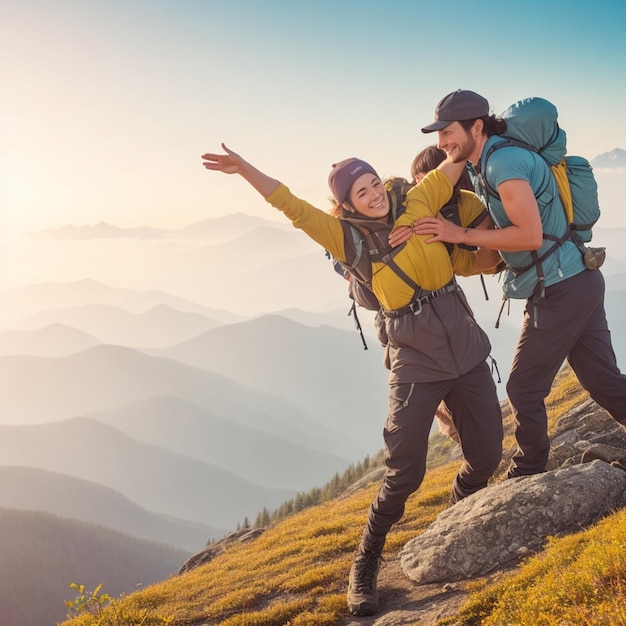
405, 603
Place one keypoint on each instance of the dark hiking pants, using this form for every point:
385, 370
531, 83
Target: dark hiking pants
475, 409
568, 323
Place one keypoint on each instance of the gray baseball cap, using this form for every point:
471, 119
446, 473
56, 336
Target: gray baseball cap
458, 105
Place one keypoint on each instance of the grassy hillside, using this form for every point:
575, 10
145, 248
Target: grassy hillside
296, 572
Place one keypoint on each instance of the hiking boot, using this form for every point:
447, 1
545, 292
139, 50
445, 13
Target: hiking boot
362, 594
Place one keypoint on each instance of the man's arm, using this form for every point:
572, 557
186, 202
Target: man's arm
520, 206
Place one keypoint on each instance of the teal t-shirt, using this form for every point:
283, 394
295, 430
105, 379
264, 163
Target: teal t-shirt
511, 163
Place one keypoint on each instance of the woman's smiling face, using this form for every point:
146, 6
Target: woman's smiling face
368, 196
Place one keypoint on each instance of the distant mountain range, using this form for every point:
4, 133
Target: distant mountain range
52, 341
215, 372
102, 230
43, 553
323, 369
34, 489
188, 393
155, 478
613, 160
106, 377
263, 458
159, 327
212, 230
22, 302
227, 228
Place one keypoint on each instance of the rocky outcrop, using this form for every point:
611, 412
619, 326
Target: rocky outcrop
585, 427
216, 548
512, 519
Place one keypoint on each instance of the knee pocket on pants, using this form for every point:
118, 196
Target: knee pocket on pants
399, 401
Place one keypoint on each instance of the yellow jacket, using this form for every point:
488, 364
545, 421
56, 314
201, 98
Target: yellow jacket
428, 264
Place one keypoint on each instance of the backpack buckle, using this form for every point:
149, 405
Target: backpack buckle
416, 305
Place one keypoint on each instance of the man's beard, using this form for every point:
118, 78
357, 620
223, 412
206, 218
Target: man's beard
465, 150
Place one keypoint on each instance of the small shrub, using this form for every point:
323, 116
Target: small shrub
91, 602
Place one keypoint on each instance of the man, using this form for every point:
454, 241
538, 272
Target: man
564, 316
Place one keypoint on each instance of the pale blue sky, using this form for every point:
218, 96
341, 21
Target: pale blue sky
107, 105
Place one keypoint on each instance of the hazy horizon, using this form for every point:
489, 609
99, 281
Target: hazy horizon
108, 105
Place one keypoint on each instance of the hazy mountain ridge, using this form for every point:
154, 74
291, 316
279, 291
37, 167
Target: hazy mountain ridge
264, 245
230, 226
211, 229
51, 341
34, 489
307, 281
22, 302
105, 377
616, 283
613, 240
323, 369
214, 270
119, 383
615, 158
102, 230
155, 478
157, 327
259, 271
339, 318
195, 432
43, 553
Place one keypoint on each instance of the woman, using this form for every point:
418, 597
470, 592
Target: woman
463, 209
435, 351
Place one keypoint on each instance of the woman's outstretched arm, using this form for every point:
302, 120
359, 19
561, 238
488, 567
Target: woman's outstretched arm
317, 224
233, 163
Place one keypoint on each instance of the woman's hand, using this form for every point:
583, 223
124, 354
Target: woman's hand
400, 235
229, 163
232, 163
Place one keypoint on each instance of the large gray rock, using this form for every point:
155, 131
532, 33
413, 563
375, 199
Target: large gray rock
511, 520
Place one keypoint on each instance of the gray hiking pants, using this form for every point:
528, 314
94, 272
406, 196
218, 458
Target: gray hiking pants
475, 409
569, 323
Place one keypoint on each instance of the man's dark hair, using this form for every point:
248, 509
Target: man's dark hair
492, 125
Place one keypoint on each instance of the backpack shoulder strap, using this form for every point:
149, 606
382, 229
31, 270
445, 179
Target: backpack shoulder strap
506, 143
556, 241
371, 246
357, 240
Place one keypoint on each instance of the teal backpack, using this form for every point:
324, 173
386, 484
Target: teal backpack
532, 124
